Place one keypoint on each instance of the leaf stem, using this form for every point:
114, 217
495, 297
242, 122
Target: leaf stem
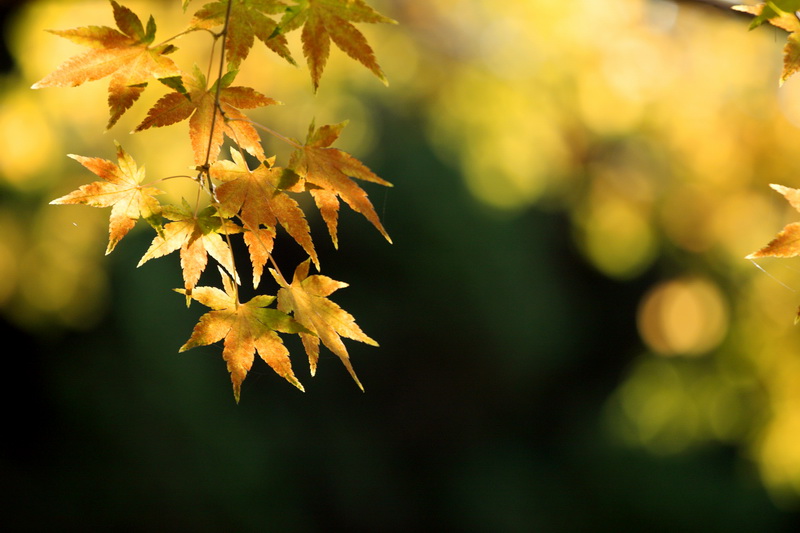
217, 106
173, 177
181, 34
272, 132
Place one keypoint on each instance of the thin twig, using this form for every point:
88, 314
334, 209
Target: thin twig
271, 132
217, 106
722, 5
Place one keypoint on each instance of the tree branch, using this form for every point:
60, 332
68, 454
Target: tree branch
723, 5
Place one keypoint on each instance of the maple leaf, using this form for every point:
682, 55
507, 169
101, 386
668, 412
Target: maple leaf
787, 242
124, 55
121, 190
248, 20
328, 170
197, 236
255, 195
324, 21
198, 105
781, 14
768, 11
247, 328
306, 298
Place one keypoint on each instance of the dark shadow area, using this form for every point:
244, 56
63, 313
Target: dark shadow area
482, 410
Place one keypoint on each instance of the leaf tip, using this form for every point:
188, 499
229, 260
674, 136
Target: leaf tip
237, 387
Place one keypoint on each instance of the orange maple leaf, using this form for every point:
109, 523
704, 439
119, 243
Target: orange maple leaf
247, 328
197, 236
787, 242
256, 196
248, 20
306, 298
324, 21
199, 104
124, 55
121, 191
328, 171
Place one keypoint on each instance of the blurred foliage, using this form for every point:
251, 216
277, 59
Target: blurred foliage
652, 129
656, 128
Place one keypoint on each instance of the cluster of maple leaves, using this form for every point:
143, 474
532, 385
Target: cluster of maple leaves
251, 202
782, 14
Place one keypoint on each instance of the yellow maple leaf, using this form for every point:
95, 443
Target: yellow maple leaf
124, 55
780, 14
787, 242
197, 235
324, 21
247, 20
246, 328
209, 123
121, 190
306, 298
255, 195
327, 172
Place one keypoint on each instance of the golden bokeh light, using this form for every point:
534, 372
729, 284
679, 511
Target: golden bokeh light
683, 317
30, 144
669, 406
617, 236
